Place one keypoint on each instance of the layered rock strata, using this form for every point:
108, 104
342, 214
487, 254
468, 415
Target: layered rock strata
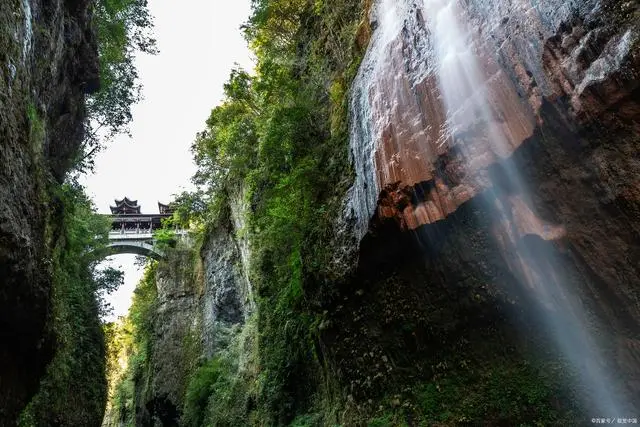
526, 54
546, 139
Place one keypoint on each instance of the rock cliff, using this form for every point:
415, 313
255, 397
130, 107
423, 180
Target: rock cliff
491, 226
580, 58
202, 305
549, 152
48, 61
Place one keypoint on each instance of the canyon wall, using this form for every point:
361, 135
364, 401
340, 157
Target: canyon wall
581, 58
550, 153
202, 305
464, 231
48, 61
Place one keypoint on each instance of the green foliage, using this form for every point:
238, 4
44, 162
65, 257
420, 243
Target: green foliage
123, 28
494, 391
514, 394
119, 343
133, 338
164, 238
107, 280
78, 365
280, 137
36, 127
200, 388
309, 420
141, 315
124, 403
222, 392
384, 421
189, 210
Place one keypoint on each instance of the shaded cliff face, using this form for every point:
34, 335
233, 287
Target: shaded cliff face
529, 113
175, 320
48, 57
202, 304
225, 302
442, 333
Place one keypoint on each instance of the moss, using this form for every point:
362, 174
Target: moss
36, 130
308, 420
222, 392
383, 421
494, 391
200, 387
79, 361
282, 135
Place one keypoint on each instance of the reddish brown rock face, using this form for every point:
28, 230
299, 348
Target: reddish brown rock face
412, 140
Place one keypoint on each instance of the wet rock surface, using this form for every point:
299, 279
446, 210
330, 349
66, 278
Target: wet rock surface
560, 81
48, 58
586, 55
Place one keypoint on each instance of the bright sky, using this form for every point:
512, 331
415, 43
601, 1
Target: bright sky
199, 43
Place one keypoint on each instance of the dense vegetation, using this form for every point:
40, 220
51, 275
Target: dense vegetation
78, 366
73, 391
280, 140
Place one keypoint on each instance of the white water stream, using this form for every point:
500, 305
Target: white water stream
28, 30
463, 89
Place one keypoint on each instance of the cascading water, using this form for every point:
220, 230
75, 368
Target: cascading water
28, 30
365, 126
464, 95
446, 94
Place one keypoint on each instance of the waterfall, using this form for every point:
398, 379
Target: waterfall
365, 124
427, 87
28, 30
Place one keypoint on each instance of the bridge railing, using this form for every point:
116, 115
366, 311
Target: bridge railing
130, 234
138, 233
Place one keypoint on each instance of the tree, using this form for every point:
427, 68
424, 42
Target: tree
106, 281
123, 28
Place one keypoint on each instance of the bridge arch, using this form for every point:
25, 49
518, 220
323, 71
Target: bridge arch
140, 244
133, 247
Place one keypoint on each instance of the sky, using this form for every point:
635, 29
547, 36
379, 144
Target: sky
200, 42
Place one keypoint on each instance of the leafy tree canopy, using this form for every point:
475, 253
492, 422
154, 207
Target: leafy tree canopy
123, 28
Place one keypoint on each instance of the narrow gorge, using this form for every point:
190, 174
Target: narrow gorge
409, 213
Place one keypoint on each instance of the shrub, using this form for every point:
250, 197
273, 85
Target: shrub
200, 388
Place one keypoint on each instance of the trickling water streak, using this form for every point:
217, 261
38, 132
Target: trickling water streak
365, 126
28, 30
